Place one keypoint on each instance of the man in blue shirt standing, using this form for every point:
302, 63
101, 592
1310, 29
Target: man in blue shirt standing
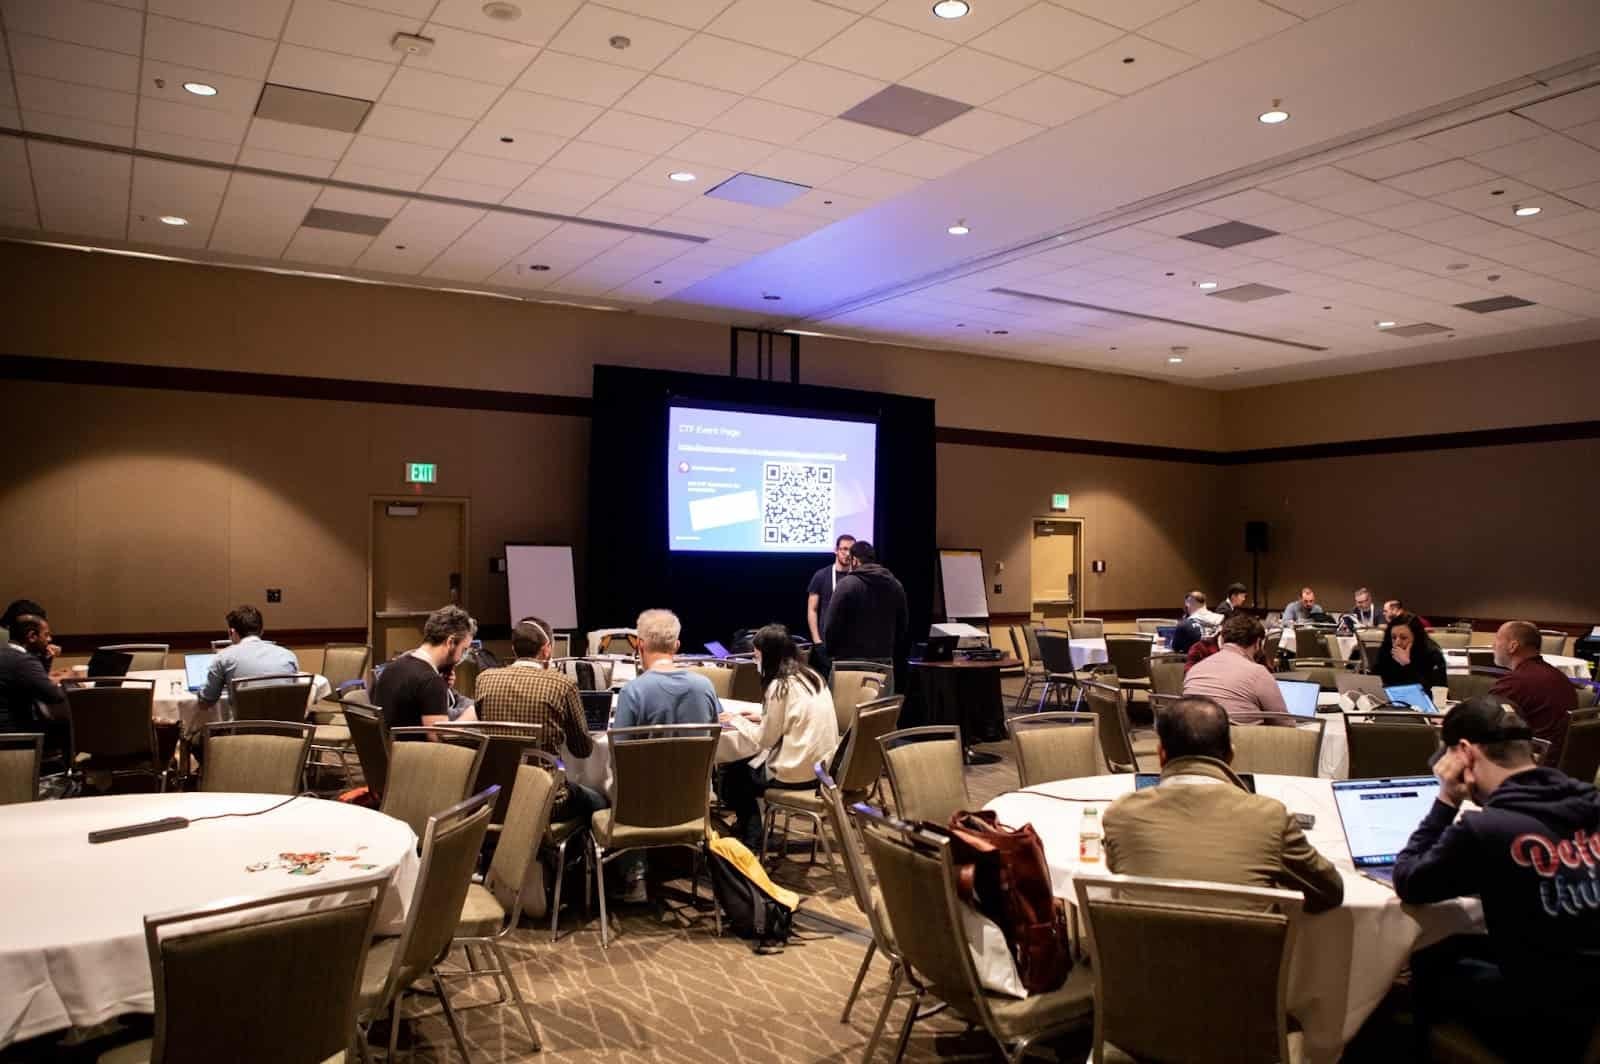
663, 693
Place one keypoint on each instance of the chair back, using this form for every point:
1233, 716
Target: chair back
663, 774
1552, 641
430, 769
464, 676
1055, 651
344, 663
1477, 680
1385, 745
1107, 702
1129, 655
505, 743
720, 675
1086, 627
146, 656
284, 697
370, 736
1588, 697
1030, 643
1147, 936
590, 674
927, 772
255, 756
535, 783
746, 681
1153, 625
1480, 657
20, 756
451, 841
1019, 646
1580, 755
295, 1010
1056, 746
1452, 638
1279, 744
862, 762
844, 830
1311, 641
1166, 673
855, 682
1324, 672
1269, 647
112, 721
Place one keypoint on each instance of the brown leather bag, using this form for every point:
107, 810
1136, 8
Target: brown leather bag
1002, 871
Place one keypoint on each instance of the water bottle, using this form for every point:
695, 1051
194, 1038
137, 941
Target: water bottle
1089, 836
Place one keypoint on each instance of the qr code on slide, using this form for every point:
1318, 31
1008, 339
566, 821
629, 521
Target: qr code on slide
797, 504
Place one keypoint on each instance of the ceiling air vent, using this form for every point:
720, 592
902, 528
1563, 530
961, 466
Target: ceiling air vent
902, 110
344, 221
1489, 306
1228, 234
1248, 293
302, 107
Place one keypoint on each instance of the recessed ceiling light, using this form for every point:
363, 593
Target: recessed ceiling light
1206, 285
173, 219
199, 88
952, 8
1273, 115
959, 229
501, 11
1385, 324
508, 140
1526, 212
1174, 360
680, 175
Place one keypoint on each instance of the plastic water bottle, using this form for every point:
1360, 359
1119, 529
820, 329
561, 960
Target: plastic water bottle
1089, 836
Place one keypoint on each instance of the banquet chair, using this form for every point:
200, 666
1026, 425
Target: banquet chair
854, 682
663, 791
1153, 625
492, 909
871, 907
1580, 754
344, 663
720, 675
1270, 647
294, 1010
1026, 647
20, 756
1130, 656
746, 685
1278, 744
285, 696
1323, 672
464, 676
1147, 936
430, 768
1482, 657
860, 763
590, 674
927, 772
1384, 745
505, 743
1056, 746
1477, 680
1166, 673
1086, 628
255, 756
1061, 676
917, 876
451, 840
1311, 641
1368, 642
1588, 697
146, 656
370, 737
1108, 702
1552, 641
1452, 638
112, 729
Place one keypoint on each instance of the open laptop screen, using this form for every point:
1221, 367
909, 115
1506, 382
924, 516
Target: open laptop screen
1413, 695
195, 667
1300, 696
1380, 815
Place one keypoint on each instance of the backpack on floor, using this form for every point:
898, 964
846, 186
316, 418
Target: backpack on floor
752, 905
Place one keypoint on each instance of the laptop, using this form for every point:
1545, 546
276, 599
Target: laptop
1141, 780
109, 663
1299, 696
1413, 695
717, 650
1358, 683
1379, 817
596, 709
195, 667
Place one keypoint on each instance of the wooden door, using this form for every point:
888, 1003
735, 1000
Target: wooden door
418, 564
1053, 570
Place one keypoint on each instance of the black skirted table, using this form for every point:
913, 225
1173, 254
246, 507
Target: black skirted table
960, 692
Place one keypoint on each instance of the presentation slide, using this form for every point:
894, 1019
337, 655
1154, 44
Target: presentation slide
767, 483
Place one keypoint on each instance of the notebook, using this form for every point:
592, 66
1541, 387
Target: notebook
1379, 817
195, 667
1299, 696
1413, 695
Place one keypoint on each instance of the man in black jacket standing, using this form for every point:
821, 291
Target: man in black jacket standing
868, 618
1532, 854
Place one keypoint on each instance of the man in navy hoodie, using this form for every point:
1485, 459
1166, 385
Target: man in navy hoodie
1532, 853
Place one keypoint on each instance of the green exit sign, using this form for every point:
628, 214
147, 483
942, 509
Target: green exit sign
1060, 501
421, 472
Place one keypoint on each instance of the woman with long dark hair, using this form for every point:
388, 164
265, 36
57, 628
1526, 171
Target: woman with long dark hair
798, 728
1409, 655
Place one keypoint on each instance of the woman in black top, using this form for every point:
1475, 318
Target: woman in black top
1409, 655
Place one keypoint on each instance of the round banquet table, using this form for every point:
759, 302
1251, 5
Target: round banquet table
174, 703
1087, 652
737, 742
1347, 643
72, 950
1576, 668
1344, 960
962, 692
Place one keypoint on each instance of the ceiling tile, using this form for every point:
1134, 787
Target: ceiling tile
338, 27
1315, 183
693, 14
921, 158
192, 192
503, 174
267, 135
637, 196
377, 176
599, 160
46, 96
80, 189
16, 181
1589, 134
1248, 205
622, 130
560, 190
78, 21
63, 61
802, 167
589, 33
352, 201
1049, 100
677, 101
764, 120
415, 127
238, 95
874, 183
260, 214
796, 27
1046, 36
722, 149
325, 247
260, 18
1129, 14
1293, 218
158, 116
658, 175
824, 90
377, 153
850, 140
722, 64
473, 55
541, 114
410, 9
207, 48
1445, 177
462, 190
1588, 195
1484, 134
622, 216
1496, 194
982, 132
970, 76
284, 162
1212, 28
1340, 232
880, 50
1398, 158
424, 90
1108, 67
1537, 153
536, 25
1565, 111
916, 15
1409, 215
1362, 200
575, 78
341, 75
1560, 176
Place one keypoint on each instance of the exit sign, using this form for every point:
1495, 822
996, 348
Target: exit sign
421, 472
1060, 501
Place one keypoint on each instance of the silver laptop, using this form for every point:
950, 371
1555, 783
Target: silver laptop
1358, 683
195, 668
1299, 696
1379, 817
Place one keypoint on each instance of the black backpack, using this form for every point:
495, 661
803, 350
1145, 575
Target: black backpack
747, 910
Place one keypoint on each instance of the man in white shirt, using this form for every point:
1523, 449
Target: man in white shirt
1197, 619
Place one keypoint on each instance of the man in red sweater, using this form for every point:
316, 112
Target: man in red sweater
1543, 695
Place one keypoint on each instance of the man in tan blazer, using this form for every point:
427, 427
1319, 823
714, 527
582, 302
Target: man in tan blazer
1201, 822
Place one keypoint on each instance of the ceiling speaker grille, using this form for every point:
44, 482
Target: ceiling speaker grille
902, 110
1248, 293
1228, 234
344, 221
1489, 306
324, 110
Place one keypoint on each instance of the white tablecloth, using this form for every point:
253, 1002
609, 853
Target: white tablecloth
1577, 668
72, 948
1345, 959
1087, 652
176, 704
737, 742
